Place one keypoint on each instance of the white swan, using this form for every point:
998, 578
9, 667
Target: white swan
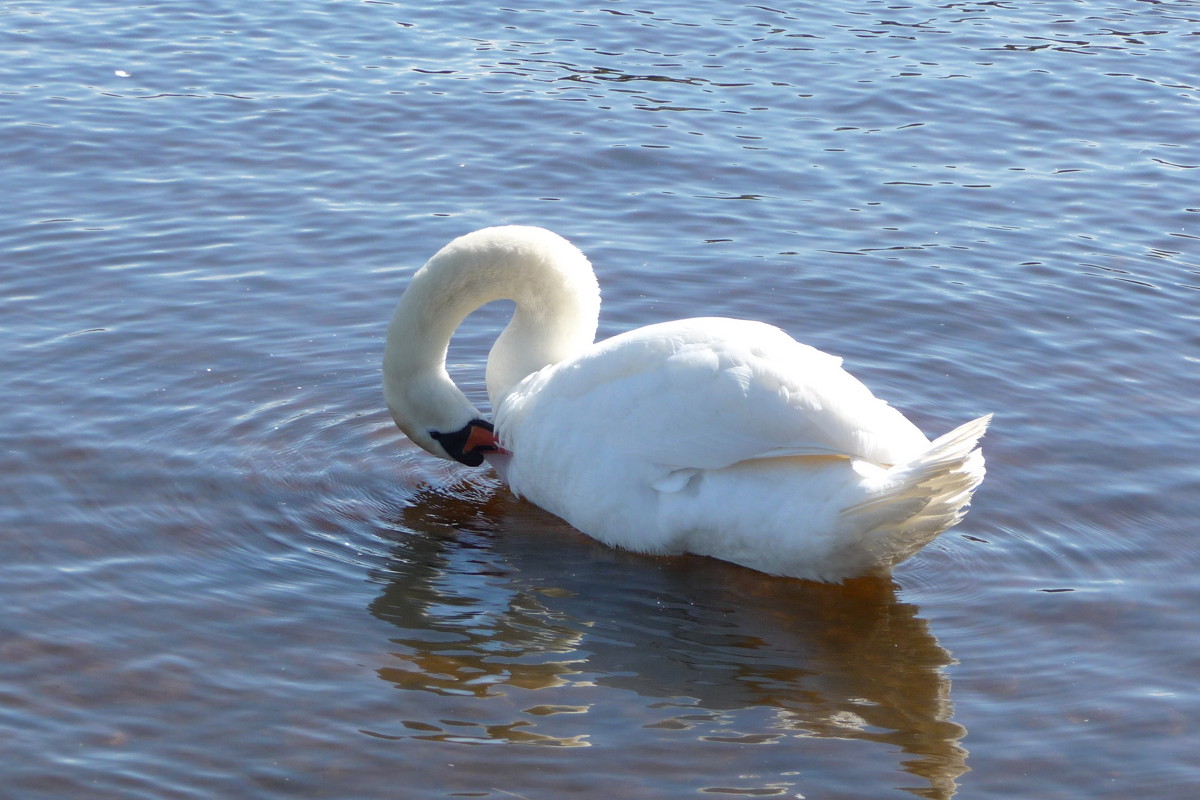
714, 436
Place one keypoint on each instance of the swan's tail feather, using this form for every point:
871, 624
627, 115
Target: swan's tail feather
917, 501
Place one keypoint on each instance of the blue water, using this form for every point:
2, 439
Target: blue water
226, 574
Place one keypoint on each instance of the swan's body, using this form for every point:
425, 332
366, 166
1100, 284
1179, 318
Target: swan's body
713, 436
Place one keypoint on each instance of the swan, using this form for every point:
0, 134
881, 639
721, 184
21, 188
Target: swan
714, 436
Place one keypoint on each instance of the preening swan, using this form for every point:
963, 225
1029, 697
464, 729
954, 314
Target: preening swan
713, 436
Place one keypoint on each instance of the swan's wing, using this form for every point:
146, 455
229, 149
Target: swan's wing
704, 394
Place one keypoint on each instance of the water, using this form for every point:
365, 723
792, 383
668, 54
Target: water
225, 574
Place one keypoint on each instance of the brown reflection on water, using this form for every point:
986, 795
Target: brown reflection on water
490, 593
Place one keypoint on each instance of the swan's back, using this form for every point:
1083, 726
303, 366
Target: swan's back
723, 438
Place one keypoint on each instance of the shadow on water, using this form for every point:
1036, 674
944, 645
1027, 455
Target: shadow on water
492, 595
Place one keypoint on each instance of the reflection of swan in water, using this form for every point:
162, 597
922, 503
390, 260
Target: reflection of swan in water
508, 600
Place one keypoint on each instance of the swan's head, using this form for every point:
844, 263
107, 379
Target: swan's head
443, 423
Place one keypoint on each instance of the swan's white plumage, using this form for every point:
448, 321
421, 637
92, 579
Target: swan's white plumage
713, 436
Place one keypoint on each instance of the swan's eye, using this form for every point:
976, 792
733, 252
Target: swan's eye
468, 444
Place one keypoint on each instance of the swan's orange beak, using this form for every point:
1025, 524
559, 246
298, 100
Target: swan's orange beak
468, 444
482, 440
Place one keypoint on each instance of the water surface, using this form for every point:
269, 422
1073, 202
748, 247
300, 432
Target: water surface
226, 574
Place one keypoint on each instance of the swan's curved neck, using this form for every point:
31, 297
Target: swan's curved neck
557, 307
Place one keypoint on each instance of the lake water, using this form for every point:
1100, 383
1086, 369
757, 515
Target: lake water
225, 574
